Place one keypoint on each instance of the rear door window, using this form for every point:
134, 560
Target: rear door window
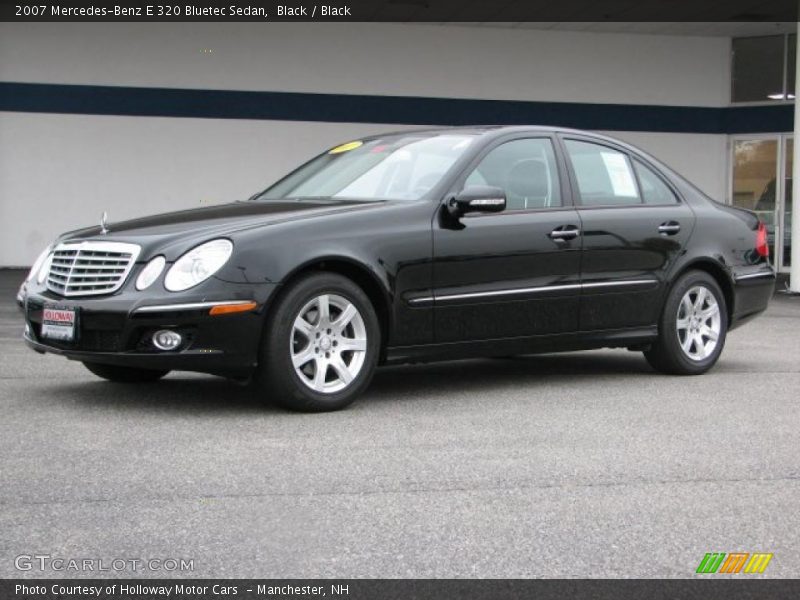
604, 175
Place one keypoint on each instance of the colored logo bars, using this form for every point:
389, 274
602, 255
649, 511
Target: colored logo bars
715, 562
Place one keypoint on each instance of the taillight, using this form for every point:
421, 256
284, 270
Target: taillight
761, 240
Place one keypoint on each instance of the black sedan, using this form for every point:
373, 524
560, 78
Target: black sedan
408, 247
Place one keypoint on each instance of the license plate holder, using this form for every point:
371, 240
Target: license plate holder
59, 323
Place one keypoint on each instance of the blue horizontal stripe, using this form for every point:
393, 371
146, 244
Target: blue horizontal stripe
403, 110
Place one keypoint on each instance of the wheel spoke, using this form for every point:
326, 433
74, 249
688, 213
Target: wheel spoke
700, 299
341, 369
304, 356
324, 309
347, 315
712, 335
319, 374
686, 306
303, 326
699, 346
352, 344
686, 344
709, 312
682, 323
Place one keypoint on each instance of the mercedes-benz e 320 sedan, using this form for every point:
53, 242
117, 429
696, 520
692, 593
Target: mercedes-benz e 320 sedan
408, 247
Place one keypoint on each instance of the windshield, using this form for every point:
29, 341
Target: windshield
397, 167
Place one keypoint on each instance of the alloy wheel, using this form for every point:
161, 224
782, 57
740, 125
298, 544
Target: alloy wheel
698, 324
328, 344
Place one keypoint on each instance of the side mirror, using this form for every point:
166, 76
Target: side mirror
477, 198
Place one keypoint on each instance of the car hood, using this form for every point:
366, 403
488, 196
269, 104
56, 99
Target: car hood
202, 223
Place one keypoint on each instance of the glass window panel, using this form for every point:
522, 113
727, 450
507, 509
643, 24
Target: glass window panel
758, 69
604, 175
525, 169
654, 190
755, 167
394, 167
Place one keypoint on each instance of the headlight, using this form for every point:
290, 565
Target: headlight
37, 265
150, 273
44, 269
197, 265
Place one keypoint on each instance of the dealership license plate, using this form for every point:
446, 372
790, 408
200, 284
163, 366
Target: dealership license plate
59, 323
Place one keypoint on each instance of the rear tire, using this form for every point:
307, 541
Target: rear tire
693, 327
321, 345
120, 374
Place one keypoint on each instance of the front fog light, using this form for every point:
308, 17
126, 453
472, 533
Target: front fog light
150, 273
165, 339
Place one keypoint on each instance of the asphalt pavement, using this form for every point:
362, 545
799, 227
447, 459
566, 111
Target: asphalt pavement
573, 465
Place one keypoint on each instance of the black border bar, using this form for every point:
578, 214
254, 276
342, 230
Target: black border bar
408, 10
739, 588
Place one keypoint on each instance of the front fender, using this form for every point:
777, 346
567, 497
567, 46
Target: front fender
389, 250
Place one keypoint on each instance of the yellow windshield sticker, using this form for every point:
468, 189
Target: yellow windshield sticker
345, 147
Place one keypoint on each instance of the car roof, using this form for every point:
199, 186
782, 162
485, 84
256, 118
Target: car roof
496, 131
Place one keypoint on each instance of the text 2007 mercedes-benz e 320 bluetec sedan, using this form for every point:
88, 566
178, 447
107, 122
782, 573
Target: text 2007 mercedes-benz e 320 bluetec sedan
409, 247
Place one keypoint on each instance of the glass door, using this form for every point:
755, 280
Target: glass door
755, 181
785, 221
762, 182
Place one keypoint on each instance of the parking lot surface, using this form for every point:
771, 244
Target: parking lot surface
573, 465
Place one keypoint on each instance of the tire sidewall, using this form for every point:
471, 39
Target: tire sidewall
670, 316
282, 383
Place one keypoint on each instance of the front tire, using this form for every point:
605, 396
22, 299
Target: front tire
693, 327
321, 346
120, 374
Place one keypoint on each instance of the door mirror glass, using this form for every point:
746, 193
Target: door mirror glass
477, 198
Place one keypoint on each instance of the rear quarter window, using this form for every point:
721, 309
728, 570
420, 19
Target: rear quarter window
654, 189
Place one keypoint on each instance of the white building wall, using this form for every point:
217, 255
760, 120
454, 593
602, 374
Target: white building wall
59, 172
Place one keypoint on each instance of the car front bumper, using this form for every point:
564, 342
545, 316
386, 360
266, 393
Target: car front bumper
118, 329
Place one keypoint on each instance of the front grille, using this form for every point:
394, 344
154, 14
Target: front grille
90, 268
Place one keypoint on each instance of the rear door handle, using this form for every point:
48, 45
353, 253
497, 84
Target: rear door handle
564, 233
669, 228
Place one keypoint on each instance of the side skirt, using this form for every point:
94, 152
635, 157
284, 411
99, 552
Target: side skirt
637, 338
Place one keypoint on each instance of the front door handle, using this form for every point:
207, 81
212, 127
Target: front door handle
564, 233
669, 228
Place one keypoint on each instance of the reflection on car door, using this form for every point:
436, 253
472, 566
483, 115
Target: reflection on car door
634, 226
508, 274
